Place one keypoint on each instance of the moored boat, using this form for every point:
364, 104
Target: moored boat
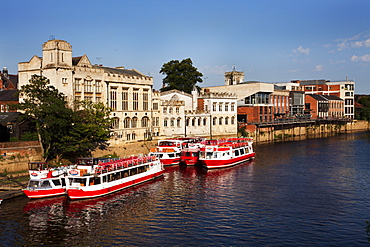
89, 181
226, 153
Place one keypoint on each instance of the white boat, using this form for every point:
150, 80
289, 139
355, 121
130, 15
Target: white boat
89, 181
226, 153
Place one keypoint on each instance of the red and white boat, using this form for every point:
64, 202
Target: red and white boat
45, 181
226, 153
168, 151
89, 181
190, 155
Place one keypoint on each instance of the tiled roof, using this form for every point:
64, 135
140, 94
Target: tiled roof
120, 71
6, 117
9, 95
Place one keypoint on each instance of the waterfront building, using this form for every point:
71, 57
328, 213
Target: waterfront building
8, 91
127, 91
342, 89
198, 114
324, 106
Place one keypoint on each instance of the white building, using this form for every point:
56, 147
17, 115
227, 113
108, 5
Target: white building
198, 114
127, 92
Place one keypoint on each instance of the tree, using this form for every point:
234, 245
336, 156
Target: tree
182, 75
64, 131
364, 112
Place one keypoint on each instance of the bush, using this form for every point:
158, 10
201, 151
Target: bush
29, 136
13, 139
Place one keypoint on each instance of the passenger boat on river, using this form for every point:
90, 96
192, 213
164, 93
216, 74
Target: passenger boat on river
169, 151
45, 181
88, 181
226, 153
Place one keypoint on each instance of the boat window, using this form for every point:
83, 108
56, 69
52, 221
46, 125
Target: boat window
94, 180
56, 182
195, 154
209, 155
33, 183
80, 181
125, 174
160, 156
104, 179
216, 155
236, 152
63, 181
187, 154
241, 151
133, 171
45, 184
171, 155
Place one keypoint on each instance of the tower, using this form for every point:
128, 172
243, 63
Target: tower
234, 77
57, 54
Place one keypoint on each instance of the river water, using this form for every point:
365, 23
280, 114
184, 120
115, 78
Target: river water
307, 193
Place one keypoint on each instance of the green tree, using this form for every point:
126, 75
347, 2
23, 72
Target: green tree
182, 75
64, 131
364, 112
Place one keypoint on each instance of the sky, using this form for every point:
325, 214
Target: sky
270, 40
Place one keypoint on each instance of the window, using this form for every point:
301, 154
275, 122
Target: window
214, 121
145, 122
193, 122
177, 110
155, 106
88, 86
97, 86
77, 85
226, 120
115, 124
214, 106
170, 110
145, 101
233, 120
232, 106
220, 107
126, 123
178, 122
226, 107
97, 99
172, 122
136, 100
134, 122
199, 121
220, 121
204, 121
64, 80
113, 99
165, 122
125, 100
164, 109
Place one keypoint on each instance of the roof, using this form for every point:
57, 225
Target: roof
9, 81
120, 71
6, 117
9, 95
324, 97
75, 60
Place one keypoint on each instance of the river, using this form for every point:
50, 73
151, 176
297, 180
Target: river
306, 193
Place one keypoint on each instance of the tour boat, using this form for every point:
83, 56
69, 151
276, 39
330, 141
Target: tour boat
225, 153
89, 181
168, 151
41, 186
190, 155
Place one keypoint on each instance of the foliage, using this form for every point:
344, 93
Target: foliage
62, 130
242, 131
364, 113
182, 75
13, 139
29, 136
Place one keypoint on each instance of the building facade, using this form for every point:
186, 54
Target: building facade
127, 92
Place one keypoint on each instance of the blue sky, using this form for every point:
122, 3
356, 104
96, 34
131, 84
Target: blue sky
270, 40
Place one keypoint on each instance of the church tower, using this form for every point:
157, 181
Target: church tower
234, 77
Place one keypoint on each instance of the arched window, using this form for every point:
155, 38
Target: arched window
165, 122
177, 110
214, 121
178, 122
134, 122
204, 121
193, 122
232, 120
199, 121
226, 120
145, 122
220, 120
164, 109
170, 110
115, 124
126, 123
172, 122
187, 121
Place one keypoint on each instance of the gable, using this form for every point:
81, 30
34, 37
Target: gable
83, 61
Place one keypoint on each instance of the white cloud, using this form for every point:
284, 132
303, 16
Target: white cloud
364, 58
301, 50
319, 67
358, 41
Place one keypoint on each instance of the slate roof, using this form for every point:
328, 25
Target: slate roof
6, 117
10, 81
120, 71
324, 97
9, 95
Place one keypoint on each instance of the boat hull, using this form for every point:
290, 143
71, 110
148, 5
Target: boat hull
40, 193
76, 194
222, 163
